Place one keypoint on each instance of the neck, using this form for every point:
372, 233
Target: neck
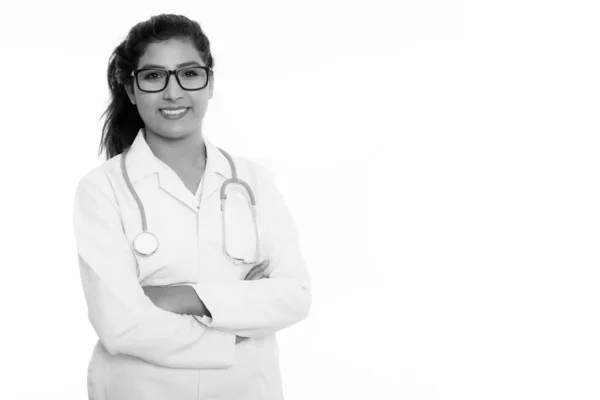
185, 154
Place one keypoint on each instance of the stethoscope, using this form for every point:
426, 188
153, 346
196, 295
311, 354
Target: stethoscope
146, 243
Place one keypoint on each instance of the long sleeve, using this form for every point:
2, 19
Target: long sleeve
258, 308
124, 318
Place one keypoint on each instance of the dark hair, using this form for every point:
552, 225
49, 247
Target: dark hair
123, 121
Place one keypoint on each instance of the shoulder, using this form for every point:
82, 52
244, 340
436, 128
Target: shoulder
255, 173
100, 178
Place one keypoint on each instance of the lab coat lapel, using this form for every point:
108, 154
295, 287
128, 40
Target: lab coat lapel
216, 172
171, 183
141, 162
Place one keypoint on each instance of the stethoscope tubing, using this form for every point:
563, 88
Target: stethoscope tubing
223, 195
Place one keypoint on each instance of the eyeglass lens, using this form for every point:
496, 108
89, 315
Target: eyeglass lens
156, 79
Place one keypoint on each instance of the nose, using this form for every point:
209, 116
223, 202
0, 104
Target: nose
173, 91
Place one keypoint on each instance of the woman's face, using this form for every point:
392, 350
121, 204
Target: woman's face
170, 55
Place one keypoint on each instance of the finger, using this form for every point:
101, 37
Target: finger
253, 270
250, 274
261, 266
264, 271
253, 276
257, 277
261, 272
257, 274
258, 268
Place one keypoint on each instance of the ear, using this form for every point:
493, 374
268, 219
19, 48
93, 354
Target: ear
130, 92
211, 86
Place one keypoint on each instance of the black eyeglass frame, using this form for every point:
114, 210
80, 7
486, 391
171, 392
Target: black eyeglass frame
170, 72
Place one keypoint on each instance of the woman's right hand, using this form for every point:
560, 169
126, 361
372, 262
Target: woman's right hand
258, 271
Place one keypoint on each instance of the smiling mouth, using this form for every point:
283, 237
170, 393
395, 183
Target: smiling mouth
174, 112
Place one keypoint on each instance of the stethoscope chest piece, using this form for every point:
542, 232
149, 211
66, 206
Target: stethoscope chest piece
145, 243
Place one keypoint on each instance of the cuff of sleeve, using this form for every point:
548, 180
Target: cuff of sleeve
222, 345
212, 294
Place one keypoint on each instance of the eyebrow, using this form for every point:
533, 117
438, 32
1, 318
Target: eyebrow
182, 65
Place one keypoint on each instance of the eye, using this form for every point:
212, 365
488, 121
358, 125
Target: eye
151, 76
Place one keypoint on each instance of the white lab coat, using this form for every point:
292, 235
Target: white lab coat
146, 353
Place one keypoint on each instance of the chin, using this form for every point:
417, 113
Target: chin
176, 131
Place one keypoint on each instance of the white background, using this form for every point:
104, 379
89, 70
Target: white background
440, 158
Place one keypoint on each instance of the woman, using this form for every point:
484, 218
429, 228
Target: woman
185, 287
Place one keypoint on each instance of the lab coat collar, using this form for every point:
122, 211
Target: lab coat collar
141, 163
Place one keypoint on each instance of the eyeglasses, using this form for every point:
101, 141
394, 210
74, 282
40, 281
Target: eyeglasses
152, 80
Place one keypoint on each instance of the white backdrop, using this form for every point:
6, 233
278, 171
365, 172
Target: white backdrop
440, 158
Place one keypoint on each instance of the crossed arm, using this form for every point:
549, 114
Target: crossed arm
193, 326
185, 301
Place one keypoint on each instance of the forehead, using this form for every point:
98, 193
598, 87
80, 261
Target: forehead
169, 54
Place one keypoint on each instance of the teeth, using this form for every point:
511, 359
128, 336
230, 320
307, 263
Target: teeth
174, 112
